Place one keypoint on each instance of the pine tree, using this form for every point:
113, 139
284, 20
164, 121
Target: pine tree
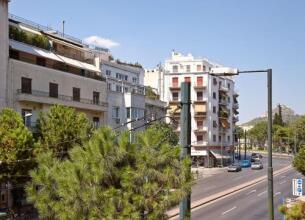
111, 178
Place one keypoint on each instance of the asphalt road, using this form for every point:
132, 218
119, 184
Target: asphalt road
249, 204
225, 180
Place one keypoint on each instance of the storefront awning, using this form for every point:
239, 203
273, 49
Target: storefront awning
217, 154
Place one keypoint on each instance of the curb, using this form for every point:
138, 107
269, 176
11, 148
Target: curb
174, 212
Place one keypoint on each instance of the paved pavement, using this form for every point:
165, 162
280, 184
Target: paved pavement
249, 204
223, 180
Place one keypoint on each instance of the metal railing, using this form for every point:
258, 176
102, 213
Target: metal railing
62, 97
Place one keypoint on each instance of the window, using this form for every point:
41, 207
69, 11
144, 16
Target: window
220, 84
134, 113
214, 124
199, 124
126, 78
199, 81
96, 98
187, 79
214, 95
125, 89
53, 90
115, 112
2, 197
229, 85
214, 109
76, 94
203, 68
188, 68
118, 88
26, 85
175, 81
214, 138
219, 138
82, 72
96, 122
14, 54
229, 138
175, 69
40, 61
199, 96
199, 138
109, 86
108, 72
128, 112
198, 68
229, 99
27, 116
214, 81
134, 79
175, 96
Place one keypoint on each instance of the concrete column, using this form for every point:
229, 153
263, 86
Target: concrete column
4, 41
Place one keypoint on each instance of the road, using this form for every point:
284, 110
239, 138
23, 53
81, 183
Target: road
249, 204
223, 181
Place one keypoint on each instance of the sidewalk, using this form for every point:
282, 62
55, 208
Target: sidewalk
203, 172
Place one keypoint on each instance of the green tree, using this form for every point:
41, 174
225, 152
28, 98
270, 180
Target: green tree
167, 132
61, 128
298, 128
110, 178
16, 146
299, 161
295, 212
282, 136
259, 133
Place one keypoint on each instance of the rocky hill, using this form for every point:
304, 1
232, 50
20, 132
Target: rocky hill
288, 116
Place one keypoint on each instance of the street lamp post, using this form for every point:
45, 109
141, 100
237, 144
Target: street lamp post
224, 71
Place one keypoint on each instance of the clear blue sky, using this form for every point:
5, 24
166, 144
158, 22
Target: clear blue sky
238, 33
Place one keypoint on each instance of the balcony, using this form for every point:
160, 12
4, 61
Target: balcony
200, 144
223, 123
235, 119
200, 100
236, 106
201, 129
223, 102
200, 110
223, 89
44, 97
223, 114
174, 87
199, 86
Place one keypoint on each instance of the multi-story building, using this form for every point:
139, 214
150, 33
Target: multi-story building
41, 67
213, 110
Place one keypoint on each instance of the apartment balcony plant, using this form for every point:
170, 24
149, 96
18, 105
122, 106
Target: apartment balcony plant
223, 114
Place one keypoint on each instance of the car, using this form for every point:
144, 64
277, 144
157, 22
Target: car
234, 167
256, 157
257, 165
245, 163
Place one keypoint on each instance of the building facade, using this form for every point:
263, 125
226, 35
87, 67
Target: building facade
213, 110
41, 67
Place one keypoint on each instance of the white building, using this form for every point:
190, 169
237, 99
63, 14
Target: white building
214, 105
46, 68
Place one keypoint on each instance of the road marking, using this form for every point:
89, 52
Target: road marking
239, 177
278, 193
285, 181
261, 193
225, 212
252, 191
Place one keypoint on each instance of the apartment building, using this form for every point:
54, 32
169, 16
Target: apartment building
41, 67
214, 106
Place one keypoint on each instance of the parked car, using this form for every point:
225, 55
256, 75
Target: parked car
245, 163
256, 157
257, 165
234, 167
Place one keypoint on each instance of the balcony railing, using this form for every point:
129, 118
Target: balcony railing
199, 86
200, 143
174, 86
223, 88
223, 102
235, 105
62, 97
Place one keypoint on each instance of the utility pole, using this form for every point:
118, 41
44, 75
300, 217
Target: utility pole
245, 155
185, 142
239, 146
270, 168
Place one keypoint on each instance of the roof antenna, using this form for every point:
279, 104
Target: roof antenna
63, 28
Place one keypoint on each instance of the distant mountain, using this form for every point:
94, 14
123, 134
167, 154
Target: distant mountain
288, 116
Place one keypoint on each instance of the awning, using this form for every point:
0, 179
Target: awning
218, 154
224, 123
200, 108
48, 54
33, 50
174, 109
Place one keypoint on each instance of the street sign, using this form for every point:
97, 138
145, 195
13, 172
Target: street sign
297, 187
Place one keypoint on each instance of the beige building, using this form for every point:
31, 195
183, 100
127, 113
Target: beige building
41, 67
